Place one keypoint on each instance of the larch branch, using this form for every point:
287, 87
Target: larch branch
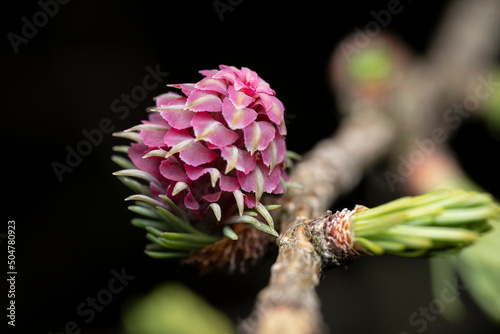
467, 41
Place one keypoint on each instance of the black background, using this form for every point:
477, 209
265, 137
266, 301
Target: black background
71, 234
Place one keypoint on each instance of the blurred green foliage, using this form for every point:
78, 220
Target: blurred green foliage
492, 107
478, 267
173, 309
373, 64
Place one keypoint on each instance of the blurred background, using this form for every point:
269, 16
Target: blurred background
65, 79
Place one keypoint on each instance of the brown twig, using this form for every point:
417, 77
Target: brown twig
289, 303
464, 43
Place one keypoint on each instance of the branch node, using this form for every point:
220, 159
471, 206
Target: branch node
333, 238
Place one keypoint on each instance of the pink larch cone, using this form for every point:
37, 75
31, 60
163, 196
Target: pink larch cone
215, 150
